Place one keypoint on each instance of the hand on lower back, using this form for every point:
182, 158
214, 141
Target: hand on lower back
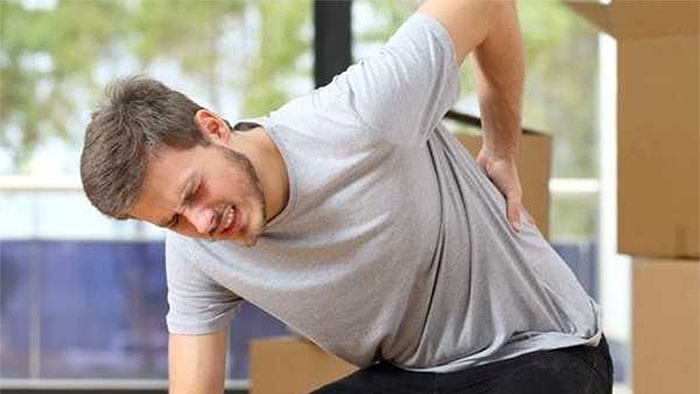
503, 172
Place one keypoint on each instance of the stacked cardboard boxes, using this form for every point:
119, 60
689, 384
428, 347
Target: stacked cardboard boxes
659, 174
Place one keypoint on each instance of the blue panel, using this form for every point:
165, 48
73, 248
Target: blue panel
14, 311
102, 308
102, 305
582, 258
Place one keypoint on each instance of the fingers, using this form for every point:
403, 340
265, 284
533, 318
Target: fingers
515, 210
514, 214
529, 217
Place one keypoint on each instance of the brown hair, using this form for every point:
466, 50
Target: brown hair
139, 115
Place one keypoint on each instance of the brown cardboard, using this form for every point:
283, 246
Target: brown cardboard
658, 152
658, 123
666, 326
290, 365
534, 166
641, 18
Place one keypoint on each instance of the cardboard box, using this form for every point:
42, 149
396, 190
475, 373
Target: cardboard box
658, 123
534, 168
291, 365
666, 326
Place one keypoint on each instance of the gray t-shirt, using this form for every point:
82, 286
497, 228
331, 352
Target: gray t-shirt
394, 244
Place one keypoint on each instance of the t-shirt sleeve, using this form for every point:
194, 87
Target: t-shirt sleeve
197, 304
408, 86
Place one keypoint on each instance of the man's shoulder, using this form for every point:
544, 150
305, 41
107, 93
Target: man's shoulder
196, 251
177, 247
172, 238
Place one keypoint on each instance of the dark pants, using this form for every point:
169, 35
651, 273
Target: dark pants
575, 370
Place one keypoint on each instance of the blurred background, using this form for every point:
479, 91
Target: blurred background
83, 297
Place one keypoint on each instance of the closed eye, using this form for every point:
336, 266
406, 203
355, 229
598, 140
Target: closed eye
188, 198
193, 192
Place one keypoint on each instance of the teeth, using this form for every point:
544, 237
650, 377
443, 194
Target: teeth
229, 218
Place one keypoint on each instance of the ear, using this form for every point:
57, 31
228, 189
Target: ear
213, 127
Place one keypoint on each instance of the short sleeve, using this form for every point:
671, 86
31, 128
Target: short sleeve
408, 86
197, 304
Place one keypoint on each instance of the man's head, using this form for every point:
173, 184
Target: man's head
153, 154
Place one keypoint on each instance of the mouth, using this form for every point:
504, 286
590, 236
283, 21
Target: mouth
230, 222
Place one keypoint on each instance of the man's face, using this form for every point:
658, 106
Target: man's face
206, 191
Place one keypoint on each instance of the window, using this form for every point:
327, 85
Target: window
84, 296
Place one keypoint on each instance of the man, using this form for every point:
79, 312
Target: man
353, 216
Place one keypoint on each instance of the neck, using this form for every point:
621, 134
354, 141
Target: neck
269, 166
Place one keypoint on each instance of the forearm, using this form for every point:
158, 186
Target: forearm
498, 70
197, 363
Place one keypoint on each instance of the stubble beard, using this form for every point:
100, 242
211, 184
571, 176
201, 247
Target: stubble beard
256, 228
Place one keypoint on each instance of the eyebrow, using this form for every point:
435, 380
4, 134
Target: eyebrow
182, 195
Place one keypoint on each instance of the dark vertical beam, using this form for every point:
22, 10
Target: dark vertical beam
332, 39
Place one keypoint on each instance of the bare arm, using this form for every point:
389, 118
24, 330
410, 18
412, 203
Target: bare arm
489, 29
499, 73
196, 363
468, 22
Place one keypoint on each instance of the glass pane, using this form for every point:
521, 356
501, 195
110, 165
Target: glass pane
561, 84
103, 309
99, 311
238, 58
373, 22
582, 259
64, 215
573, 217
15, 308
91, 290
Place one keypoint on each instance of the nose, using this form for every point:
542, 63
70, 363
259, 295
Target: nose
201, 218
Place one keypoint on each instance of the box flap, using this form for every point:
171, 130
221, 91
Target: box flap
640, 19
595, 13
